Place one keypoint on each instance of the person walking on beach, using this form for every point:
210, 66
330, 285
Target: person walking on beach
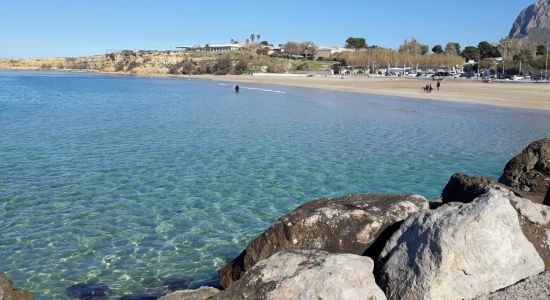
438, 85
427, 88
237, 88
430, 89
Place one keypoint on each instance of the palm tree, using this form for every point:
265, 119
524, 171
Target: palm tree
232, 41
252, 37
258, 38
247, 41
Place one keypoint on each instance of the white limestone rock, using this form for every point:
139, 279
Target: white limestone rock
458, 251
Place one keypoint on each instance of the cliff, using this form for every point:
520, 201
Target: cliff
533, 23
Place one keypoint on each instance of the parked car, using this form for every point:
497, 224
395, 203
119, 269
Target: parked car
517, 78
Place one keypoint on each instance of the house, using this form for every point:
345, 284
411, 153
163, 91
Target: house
212, 48
323, 53
274, 49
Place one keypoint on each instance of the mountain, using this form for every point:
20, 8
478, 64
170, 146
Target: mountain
533, 23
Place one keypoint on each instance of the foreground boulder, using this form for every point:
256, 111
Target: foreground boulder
201, 293
534, 219
464, 188
307, 274
529, 172
533, 288
350, 224
9, 292
458, 251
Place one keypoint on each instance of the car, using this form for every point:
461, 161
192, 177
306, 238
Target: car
517, 78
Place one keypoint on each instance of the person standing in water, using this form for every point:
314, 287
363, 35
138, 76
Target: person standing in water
237, 88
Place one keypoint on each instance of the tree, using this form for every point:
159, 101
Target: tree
452, 49
488, 50
257, 37
264, 43
424, 49
307, 48
291, 48
470, 53
232, 41
252, 37
247, 41
356, 43
509, 48
413, 47
437, 49
541, 50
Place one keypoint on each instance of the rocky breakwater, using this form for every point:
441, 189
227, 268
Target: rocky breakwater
352, 224
9, 292
528, 173
485, 240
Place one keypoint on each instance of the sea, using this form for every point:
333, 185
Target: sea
141, 185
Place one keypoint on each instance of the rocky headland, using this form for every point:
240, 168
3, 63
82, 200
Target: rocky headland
481, 240
533, 23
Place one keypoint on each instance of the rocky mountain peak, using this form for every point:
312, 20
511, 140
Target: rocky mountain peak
533, 22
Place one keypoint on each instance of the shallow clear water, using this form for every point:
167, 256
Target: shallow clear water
132, 181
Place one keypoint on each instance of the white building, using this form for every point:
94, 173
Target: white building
212, 48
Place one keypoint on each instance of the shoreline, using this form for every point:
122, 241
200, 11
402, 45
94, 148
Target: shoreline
534, 96
520, 95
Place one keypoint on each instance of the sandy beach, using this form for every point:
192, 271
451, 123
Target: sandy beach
512, 94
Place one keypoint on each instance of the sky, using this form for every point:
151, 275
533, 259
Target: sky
55, 28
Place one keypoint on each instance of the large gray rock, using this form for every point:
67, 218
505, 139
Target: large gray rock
9, 292
307, 274
533, 288
533, 23
351, 224
458, 251
535, 223
464, 188
528, 173
201, 293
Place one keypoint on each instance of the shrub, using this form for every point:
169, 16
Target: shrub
132, 65
223, 65
241, 67
45, 66
119, 66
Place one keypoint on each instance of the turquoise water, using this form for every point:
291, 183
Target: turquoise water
133, 181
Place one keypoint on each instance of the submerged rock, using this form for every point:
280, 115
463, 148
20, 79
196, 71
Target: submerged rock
175, 284
464, 188
201, 293
458, 251
532, 288
9, 292
88, 291
307, 274
528, 173
356, 224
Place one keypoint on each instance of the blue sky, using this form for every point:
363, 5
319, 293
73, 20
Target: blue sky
42, 28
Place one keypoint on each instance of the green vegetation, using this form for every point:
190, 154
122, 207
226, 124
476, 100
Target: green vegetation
356, 43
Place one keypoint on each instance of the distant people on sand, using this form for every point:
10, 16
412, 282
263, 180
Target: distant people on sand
428, 88
438, 85
237, 88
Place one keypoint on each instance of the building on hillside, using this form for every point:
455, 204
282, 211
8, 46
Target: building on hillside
326, 52
323, 53
212, 48
274, 49
338, 49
